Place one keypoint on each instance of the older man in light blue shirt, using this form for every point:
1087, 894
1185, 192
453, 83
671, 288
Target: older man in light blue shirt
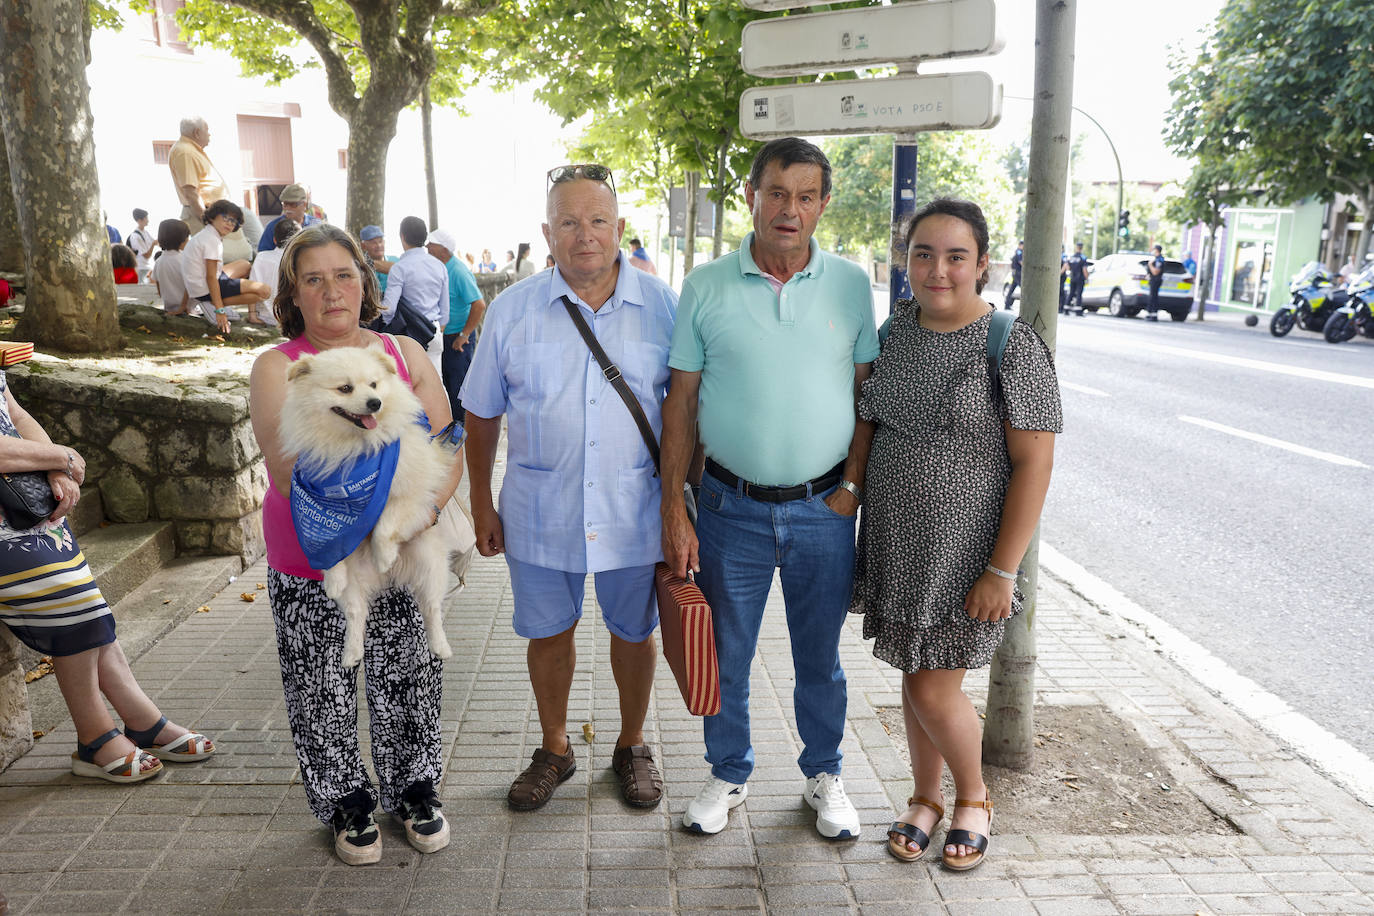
581, 494
423, 282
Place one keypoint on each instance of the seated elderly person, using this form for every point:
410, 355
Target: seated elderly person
50, 601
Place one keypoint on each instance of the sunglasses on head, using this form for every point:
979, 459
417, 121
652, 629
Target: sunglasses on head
589, 170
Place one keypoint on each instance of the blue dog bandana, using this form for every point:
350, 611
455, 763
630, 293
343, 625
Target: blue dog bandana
334, 510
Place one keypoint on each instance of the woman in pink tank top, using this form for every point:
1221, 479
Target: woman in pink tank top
326, 293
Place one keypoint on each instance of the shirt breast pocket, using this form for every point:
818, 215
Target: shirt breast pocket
535, 369
646, 366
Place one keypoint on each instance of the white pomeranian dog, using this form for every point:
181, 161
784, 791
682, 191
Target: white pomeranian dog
340, 405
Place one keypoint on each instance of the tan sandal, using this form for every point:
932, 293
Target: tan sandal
899, 829
968, 838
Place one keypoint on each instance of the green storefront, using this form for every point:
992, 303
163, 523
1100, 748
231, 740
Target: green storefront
1264, 247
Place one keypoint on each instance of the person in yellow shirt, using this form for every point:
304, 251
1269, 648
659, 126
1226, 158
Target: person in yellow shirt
199, 184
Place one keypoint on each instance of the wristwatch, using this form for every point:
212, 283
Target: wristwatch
854, 488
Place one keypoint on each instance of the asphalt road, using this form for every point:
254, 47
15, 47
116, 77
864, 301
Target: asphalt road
1262, 553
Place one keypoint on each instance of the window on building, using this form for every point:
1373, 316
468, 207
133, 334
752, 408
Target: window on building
266, 159
162, 151
343, 158
162, 26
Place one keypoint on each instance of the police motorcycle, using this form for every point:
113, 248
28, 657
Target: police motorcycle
1315, 298
1354, 316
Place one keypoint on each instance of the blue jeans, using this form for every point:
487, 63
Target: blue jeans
455, 364
742, 542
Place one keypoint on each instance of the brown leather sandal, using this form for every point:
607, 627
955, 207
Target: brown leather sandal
534, 787
641, 784
899, 829
968, 838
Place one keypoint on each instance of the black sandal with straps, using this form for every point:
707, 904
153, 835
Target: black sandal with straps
899, 849
961, 837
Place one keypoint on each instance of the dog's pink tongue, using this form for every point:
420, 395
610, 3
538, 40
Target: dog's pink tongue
369, 422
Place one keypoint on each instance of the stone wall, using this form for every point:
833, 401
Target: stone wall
16, 726
158, 449
491, 284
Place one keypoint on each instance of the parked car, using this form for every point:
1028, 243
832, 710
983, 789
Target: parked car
1119, 283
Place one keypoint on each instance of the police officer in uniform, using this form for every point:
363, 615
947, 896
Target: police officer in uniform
1015, 273
1079, 266
1155, 269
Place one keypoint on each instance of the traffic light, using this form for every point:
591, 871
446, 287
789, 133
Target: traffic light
1123, 224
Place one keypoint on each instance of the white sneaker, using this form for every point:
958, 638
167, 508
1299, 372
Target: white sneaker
708, 812
836, 818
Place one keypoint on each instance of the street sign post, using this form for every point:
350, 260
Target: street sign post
677, 213
903, 34
868, 37
947, 101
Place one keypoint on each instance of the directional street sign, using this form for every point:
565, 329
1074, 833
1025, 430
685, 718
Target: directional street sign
868, 37
781, 4
949, 101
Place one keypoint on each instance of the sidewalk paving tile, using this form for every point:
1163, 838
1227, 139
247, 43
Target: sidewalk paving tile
236, 831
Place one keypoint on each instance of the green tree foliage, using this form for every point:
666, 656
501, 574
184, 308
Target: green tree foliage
666, 72
376, 57
948, 164
1285, 92
1016, 162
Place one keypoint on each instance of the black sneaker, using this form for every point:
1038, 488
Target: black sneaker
425, 826
356, 837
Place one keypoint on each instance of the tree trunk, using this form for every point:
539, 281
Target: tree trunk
693, 182
427, 135
369, 140
1209, 261
45, 104
1009, 735
718, 233
11, 239
1366, 227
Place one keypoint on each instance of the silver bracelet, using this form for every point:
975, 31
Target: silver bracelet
1000, 573
854, 488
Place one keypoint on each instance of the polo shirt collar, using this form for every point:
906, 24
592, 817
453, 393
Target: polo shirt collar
814, 263
628, 290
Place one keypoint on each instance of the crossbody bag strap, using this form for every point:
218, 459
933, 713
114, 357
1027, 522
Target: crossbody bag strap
612, 374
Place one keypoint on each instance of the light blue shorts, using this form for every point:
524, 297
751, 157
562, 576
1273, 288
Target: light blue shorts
549, 601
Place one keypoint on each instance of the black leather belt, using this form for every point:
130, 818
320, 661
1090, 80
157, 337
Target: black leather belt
776, 494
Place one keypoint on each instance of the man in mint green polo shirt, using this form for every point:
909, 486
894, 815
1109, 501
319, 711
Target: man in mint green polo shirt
771, 345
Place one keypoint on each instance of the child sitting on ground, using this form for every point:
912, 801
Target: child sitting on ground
266, 267
124, 263
217, 286
171, 285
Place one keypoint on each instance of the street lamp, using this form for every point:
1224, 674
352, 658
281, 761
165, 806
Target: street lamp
1120, 183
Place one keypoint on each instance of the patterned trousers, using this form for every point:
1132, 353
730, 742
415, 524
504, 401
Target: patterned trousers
404, 687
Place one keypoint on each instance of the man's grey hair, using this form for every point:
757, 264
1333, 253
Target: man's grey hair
190, 125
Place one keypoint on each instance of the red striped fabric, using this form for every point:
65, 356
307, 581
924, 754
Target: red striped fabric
689, 641
14, 352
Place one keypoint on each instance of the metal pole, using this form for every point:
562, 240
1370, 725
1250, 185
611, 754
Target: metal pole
1009, 735
903, 206
1120, 184
1094, 230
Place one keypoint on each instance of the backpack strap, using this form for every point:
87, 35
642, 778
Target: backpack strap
999, 332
